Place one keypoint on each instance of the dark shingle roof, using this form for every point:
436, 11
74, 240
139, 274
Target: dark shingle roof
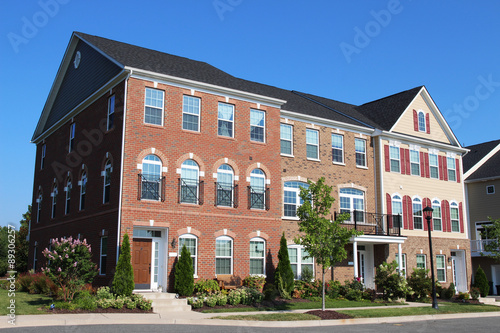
491, 168
386, 111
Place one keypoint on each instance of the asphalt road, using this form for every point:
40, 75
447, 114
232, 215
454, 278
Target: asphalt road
484, 324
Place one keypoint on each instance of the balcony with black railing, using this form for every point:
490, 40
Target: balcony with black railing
258, 197
191, 191
226, 195
372, 223
150, 188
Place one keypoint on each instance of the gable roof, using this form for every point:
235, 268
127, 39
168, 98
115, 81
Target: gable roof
387, 111
483, 161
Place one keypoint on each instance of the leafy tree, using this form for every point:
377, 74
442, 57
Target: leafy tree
481, 282
420, 283
69, 265
184, 271
284, 276
493, 234
22, 243
393, 284
323, 239
4, 250
123, 281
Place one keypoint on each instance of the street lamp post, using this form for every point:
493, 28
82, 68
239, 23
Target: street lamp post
428, 216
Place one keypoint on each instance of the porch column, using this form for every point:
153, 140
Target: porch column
355, 255
400, 260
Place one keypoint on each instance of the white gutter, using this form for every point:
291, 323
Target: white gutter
122, 167
381, 159
404, 138
206, 87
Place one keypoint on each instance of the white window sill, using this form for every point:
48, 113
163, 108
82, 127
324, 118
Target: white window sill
286, 155
290, 218
361, 167
313, 159
338, 163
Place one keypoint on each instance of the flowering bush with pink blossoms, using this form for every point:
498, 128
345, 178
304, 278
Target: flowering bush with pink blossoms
69, 265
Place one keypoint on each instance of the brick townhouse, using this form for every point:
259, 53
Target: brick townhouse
176, 152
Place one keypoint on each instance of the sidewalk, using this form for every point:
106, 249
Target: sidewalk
197, 318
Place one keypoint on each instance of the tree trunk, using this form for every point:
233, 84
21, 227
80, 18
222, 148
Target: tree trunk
323, 296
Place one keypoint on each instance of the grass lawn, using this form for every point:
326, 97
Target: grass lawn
444, 308
25, 303
271, 317
333, 304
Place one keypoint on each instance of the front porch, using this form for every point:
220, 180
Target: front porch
372, 223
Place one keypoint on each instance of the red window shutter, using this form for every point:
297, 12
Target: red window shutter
407, 160
457, 169
408, 213
389, 210
402, 160
425, 203
461, 217
441, 172
443, 215
445, 168
405, 212
422, 165
415, 120
427, 167
428, 123
387, 159
446, 216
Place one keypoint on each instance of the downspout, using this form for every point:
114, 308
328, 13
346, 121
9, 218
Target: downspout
122, 166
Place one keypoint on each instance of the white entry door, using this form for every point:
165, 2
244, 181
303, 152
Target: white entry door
458, 270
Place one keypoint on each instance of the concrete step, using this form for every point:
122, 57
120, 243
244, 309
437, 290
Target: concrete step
166, 302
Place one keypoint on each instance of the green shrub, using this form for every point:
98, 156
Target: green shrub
86, 301
284, 277
270, 292
105, 303
255, 282
234, 297
195, 302
481, 282
392, 284
123, 280
421, 284
221, 299
146, 304
333, 289
24, 281
119, 302
354, 295
449, 292
183, 280
211, 301
463, 296
65, 306
104, 293
130, 303
475, 293
206, 286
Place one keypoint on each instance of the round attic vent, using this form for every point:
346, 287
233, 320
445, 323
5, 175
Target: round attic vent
78, 56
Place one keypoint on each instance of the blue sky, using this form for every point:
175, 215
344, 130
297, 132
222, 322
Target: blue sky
351, 51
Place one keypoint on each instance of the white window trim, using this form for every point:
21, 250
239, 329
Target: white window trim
192, 114
106, 167
313, 144
400, 200
54, 201
111, 111
72, 129
394, 159
42, 160
425, 259
403, 266
83, 190
453, 168
299, 260
454, 205
440, 213
263, 258
289, 140
231, 257
420, 112
263, 127
229, 172
433, 166
443, 268
297, 197
365, 166
192, 167
257, 176
159, 162
420, 202
101, 256
417, 162
194, 257
341, 149
155, 107
67, 189
39, 207
229, 121
490, 186
351, 198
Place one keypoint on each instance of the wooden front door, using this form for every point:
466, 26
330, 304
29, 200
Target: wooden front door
141, 260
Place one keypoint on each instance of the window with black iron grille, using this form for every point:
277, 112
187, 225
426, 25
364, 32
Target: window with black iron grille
151, 188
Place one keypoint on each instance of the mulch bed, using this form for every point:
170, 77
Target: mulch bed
328, 314
98, 310
257, 306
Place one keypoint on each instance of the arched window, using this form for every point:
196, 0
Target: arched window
257, 254
67, 189
417, 214
257, 189
352, 201
39, 206
291, 199
225, 194
436, 215
455, 220
421, 121
54, 200
107, 182
191, 242
397, 210
151, 178
83, 190
190, 172
224, 255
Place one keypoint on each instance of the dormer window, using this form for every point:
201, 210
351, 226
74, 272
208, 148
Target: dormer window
421, 122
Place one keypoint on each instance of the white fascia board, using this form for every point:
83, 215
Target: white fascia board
481, 180
404, 111
326, 122
80, 107
379, 239
482, 161
422, 142
204, 87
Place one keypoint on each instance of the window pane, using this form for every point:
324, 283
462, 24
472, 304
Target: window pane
286, 147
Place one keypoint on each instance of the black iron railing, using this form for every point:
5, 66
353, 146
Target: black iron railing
150, 188
226, 195
191, 191
372, 223
258, 197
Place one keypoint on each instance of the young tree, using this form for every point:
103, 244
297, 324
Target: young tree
284, 277
22, 243
493, 234
184, 274
481, 282
323, 239
123, 281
